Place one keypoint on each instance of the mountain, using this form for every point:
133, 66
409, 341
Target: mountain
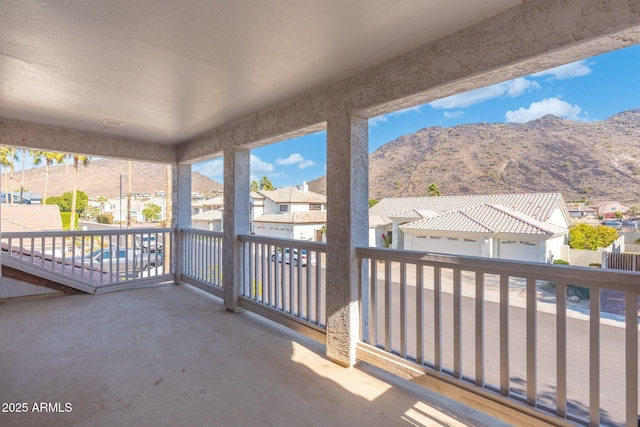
598, 160
102, 178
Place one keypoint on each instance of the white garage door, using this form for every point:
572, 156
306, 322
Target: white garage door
274, 230
444, 245
519, 250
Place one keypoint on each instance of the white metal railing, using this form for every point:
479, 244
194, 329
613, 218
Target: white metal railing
92, 259
287, 276
202, 258
480, 320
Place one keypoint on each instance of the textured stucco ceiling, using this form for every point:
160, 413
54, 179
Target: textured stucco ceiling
171, 70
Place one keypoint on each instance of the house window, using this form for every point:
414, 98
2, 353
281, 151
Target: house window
284, 208
315, 207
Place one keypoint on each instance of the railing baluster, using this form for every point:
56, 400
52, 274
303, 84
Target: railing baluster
532, 309
291, 283
437, 318
270, 289
479, 328
594, 357
309, 288
276, 284
299, 271
263, 263
403, 309
631, 357
561, 349
419, 314
387, 306
457, 323
373, 317
319, 301
504, 335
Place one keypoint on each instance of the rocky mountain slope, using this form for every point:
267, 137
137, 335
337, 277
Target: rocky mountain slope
102, 178
599, 160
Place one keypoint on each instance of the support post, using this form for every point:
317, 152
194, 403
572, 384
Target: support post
181, 213
236, 222
347, 227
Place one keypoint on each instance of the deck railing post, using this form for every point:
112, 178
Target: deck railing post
347, 227
236, 222
181, 215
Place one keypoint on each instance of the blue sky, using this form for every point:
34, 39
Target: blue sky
588, 90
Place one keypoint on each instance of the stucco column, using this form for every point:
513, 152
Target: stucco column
347, 227
236, 222
180, 212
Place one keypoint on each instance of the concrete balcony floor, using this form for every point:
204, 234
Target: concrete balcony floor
172, 356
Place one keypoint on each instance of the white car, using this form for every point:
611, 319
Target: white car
298, 256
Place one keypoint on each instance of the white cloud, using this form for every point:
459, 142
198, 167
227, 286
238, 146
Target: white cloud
517, 87
567, 71
453, 114
291, 160
210, 168
259, 166
512, 88
554, 106
306, 164
373, 122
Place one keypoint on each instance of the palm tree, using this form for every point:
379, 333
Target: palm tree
433, 189
77, 159
48, 157
266, 184
7, 158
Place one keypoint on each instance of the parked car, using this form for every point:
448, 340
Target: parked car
124, 262
148, 244
297, 256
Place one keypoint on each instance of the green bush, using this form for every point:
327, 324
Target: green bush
106, 218
66, 220
595, 264
560, 261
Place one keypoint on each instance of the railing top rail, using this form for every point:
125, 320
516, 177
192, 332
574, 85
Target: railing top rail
583, 276
81, 233
278, 241
203, 232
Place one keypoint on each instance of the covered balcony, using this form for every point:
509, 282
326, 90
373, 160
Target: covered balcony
180, 84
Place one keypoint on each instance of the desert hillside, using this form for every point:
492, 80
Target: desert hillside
102, 178
599, 160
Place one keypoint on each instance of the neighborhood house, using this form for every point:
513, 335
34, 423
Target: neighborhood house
525, 227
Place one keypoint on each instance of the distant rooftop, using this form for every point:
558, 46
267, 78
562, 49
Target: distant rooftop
16, 218
539, 206
293, 195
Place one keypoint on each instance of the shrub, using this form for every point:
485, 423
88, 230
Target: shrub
560, 261
595, 265
66, 220
106, 218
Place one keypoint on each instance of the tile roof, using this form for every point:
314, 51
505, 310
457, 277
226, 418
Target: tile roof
293, 195
30, 218
208, 216
414, 213
213, 201
375, 220
537, 205
487, 218
302, 217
